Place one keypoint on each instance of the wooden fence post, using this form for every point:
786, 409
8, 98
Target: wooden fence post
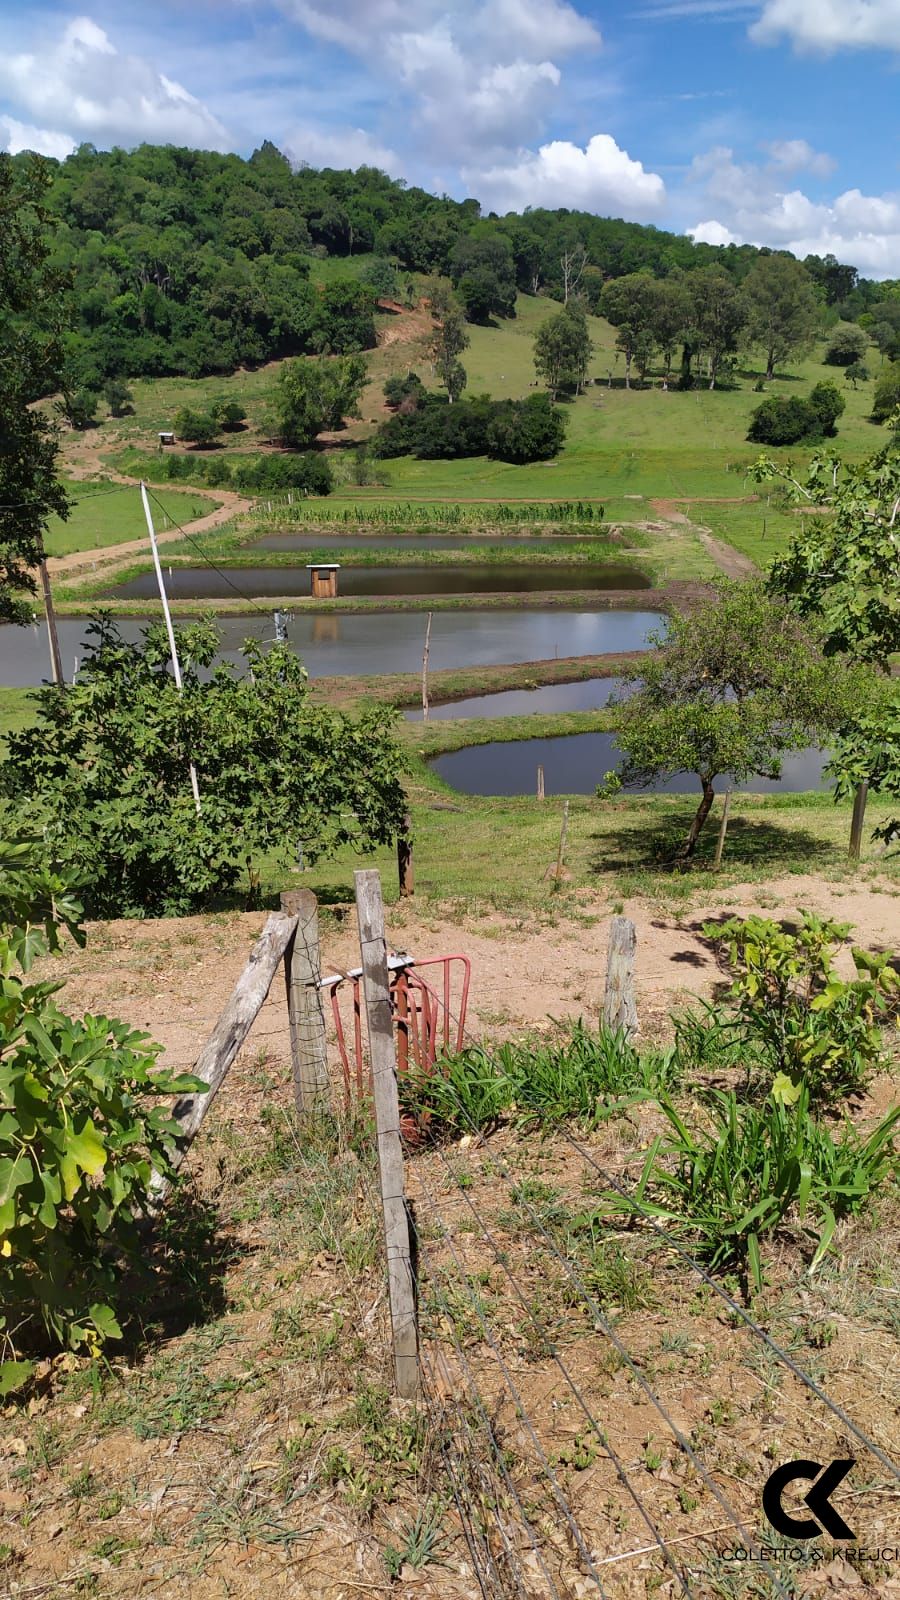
560, 854
306, 1017
383, 1058
856, 823
540, 783
405, 865
723, 829
619, 1008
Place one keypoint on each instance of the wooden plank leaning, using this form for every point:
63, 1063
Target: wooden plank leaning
619, 1006
228, 1035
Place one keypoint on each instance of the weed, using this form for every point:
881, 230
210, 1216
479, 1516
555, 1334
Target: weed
613, 1278
751, 1170
589, 1076
421, 1544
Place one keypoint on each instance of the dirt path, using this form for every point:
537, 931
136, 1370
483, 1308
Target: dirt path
173, 977
732, 562
229, 505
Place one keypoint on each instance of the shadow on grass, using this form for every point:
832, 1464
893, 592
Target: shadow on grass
179, 1282
751, 844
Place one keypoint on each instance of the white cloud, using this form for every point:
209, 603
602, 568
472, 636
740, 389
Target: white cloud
482, 75
750, 203
45, 141
339, 147
711, 232
828, 25
85, 83
602, 177
797, 155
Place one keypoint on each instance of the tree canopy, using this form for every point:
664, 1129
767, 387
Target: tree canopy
32, 313
103, 770
730, 689
188, 261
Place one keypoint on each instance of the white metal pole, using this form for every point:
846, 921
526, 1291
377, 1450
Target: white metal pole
169, 629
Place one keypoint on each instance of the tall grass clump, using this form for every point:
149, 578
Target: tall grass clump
754, 1171
585, 1075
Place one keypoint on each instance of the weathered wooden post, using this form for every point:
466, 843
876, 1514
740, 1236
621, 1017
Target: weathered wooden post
383, 1058
405, 865
560, 854
425, 669
723, 829
619, 1008
540, 783
856, 822
306, 1017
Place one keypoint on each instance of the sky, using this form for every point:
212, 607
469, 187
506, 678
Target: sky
764, 121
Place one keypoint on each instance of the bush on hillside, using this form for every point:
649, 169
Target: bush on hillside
848, 343
786, 419
826, 403
308, 472
507, 430
782, 419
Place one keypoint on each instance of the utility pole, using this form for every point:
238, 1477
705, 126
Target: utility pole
169, 629
55, 657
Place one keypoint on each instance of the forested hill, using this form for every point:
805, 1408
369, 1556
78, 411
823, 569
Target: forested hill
185, 261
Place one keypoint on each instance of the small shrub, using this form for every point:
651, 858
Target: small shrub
782, 419
887, 393
588, 1076
810, 1027
79, 1134
826, 404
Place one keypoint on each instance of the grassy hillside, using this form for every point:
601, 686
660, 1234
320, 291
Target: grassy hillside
625, 447
111, 513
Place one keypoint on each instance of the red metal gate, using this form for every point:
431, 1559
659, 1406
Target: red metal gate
428, 1016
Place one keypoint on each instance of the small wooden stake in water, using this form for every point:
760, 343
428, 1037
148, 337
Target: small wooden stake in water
619, 1008
383, 1057
723, 829
425, 669
560, 854
540, 787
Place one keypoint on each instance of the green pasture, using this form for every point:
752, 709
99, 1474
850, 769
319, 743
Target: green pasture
111, 513
627, 448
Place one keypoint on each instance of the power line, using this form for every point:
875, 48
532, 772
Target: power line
202, 553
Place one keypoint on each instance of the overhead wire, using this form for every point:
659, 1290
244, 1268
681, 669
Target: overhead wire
208, 561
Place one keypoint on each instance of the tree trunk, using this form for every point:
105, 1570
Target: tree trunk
700, 816
770, 366
627, 370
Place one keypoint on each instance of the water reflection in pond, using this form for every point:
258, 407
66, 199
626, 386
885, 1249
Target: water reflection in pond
576, 763
380, 642
588, 695
203, 583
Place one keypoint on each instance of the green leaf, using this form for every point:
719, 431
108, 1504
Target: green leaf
104, 1320
785, 1092
13, 1375
13, 1175
86, 1149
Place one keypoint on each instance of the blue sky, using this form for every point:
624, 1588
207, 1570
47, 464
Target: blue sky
773, 121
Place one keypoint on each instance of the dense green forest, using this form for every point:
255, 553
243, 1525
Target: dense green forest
189, 262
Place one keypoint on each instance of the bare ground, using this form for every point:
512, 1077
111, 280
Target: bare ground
253, 1451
